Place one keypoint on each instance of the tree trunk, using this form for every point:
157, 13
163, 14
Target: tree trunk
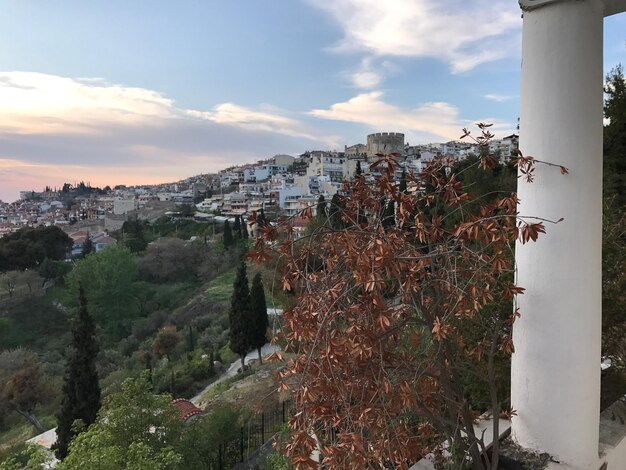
260, 357
32, 419
243, 362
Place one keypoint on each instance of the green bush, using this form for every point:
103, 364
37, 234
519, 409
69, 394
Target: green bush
199, 368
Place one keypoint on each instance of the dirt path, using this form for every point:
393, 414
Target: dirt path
232, 370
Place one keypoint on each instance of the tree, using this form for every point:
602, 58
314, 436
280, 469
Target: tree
260, 322
23, 385
237, 227
81, 390
615, 136
88, 247
239, 316
20, 283
207, 439
403, 186
186, 210
28, 247
165, 342
50, 270
25, 389
34, 456
335, 211
359, 171
389, 214
135, 430
169, 260
321, 210
228, 236
261, 219
108, 280
133, 237
388, 327
614, 222
139, 430
244, 231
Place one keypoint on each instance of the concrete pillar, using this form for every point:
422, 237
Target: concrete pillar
555, 384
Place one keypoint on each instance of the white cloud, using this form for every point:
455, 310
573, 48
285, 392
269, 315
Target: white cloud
372, 73
264, 120
499, 98
55, 127
464, 33
368, 75
40, 104
426, 122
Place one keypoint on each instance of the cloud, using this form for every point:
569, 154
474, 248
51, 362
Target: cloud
463, 33
269, 120
499, 98
58, 129
368, 75
37, 103
427, 122
372, 73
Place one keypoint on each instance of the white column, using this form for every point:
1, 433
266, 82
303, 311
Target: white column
556, 365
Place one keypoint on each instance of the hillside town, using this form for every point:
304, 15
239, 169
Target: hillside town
283, 183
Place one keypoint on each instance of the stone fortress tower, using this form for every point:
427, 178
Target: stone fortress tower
384, 142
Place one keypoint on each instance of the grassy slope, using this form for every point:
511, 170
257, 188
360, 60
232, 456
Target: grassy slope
46, 329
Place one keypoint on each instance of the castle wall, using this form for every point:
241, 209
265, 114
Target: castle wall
385, 143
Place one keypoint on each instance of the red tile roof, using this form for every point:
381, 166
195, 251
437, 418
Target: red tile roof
186, 408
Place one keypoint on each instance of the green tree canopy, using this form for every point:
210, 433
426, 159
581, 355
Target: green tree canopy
133, 236
135, 430
28, 247
615, 136
108, 277
138, 430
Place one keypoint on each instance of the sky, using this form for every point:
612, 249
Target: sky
138, 92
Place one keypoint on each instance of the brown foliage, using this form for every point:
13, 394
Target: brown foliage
390, 319
165, 342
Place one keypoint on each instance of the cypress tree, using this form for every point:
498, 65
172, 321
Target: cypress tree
81, 390
359, 171
403, 187
228, 236
261, 220
88, 247
244, 230
389, 215
237, 227
335, 212
260, 322
321, 211
240, 314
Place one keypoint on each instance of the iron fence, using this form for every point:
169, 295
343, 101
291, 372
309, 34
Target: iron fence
254, 434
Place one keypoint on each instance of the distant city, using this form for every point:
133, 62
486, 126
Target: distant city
283, 183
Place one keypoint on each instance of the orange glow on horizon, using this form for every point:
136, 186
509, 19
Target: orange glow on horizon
16, 176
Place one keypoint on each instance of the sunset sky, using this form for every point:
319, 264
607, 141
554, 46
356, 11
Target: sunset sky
131, 92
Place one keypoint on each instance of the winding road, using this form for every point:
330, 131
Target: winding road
232, 370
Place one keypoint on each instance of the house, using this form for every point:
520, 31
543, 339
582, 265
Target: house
99, 240
188, 411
